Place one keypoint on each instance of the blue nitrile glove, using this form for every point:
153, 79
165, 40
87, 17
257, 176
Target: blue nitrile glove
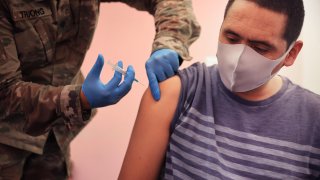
99, 94
162, 64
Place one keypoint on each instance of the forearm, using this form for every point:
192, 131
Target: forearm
40, 105
84, 102
30, 107
176, 26
175, 23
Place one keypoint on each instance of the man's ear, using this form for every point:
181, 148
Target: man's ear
294, 52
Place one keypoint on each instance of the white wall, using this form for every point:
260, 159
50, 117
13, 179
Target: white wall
310, 55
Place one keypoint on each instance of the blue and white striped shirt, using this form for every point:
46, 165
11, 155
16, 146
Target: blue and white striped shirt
217, 135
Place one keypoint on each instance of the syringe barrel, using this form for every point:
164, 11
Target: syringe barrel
117, 68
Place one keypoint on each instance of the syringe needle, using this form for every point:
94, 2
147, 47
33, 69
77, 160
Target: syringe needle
138, 81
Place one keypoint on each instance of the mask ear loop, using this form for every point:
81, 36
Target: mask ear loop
288, 51
282, 57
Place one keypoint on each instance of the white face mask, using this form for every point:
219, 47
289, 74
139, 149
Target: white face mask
242, 69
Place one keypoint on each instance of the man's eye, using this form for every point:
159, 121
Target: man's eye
260, 50
232, 40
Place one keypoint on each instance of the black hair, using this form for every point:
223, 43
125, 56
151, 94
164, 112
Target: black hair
294, 9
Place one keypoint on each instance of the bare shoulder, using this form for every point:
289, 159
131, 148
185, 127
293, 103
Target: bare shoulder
169, 89
166, 106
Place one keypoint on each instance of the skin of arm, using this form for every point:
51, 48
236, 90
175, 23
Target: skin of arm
150, 135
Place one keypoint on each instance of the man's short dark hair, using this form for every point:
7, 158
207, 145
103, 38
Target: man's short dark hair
294, 10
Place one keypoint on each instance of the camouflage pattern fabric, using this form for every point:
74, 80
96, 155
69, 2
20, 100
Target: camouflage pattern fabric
42, 46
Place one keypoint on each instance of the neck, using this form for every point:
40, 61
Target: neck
263, 92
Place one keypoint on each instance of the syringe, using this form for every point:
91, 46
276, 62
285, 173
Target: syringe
120, 70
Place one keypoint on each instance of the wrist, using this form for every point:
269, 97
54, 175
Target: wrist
84, 102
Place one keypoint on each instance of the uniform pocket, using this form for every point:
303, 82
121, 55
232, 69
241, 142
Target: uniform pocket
30, 48
32, 37
45, 40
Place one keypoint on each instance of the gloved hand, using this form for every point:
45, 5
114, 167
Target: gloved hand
162, 64
99, 94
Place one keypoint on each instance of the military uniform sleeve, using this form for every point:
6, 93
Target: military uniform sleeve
175, 22
38, 105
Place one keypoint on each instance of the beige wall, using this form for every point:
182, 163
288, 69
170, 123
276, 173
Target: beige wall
305, 71
124, 33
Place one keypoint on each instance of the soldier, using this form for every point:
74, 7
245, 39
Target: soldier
45, 101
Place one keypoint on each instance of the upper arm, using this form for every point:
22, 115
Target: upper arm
150, 135
176, 26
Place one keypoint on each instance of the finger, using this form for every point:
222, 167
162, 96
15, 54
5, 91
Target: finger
97, 67
154, 86
168, 56
117, 77
126, 85
163, 68
168, 70
173, 59
161, 76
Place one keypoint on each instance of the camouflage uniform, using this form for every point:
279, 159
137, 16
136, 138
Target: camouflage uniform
42, 47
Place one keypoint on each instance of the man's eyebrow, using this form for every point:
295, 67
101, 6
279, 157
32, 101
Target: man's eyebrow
256, 42
229, 31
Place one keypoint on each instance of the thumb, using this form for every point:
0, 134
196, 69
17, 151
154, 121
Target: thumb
97, 67
154, 86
